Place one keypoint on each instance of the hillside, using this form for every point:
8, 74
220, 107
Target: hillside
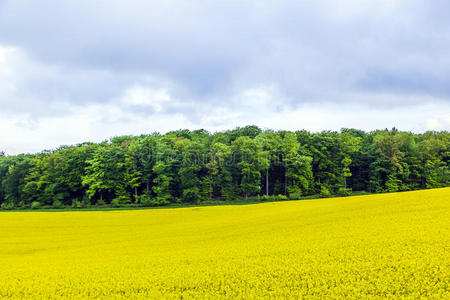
378, 245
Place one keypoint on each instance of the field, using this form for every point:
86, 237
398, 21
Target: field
386, 245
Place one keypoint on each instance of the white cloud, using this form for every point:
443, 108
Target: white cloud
99, 122
438, 122
7, 84
143, 96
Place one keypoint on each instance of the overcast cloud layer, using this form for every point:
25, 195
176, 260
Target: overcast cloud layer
73, 71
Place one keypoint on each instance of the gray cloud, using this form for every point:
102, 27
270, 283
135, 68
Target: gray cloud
213, 48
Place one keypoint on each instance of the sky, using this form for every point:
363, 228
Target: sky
75, 71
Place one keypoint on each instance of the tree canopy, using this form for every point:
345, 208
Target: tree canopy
193, 166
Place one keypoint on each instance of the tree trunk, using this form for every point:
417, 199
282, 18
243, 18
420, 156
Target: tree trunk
267, 182
210, 188
345, 182
285, 184
148, 187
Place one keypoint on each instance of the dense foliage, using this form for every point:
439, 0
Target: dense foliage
194, 166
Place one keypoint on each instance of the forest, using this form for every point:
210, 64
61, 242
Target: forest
246, 164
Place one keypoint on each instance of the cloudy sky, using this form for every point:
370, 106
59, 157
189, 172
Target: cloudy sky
74, 71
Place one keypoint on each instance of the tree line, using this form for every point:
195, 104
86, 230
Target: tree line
245, 163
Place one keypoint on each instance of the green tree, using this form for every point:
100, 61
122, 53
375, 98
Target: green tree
298, 169
219, 175
133, 167
192, 170
164, 173
270, 144
246, 150
388, 146
14, 171
105, 174
349, 145
432, 152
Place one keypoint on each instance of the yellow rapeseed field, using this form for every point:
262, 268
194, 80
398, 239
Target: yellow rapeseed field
376, 246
